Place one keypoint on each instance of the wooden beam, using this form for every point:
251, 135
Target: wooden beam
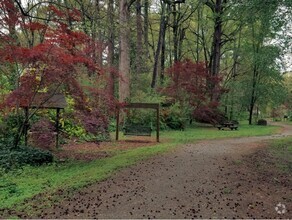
46, 101
157, 124
26, 125
141, 105
57, 127
118, 122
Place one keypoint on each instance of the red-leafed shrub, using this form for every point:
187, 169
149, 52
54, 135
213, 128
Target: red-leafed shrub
42, 134
190, 85
209, 114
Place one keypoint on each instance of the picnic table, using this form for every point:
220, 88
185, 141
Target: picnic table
229, 124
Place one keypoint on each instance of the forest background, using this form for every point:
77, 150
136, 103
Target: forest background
206, 60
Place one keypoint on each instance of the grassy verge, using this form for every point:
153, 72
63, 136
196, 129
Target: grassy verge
197, 133
281, 151
23, 184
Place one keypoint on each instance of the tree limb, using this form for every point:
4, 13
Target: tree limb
26, 13
210, 4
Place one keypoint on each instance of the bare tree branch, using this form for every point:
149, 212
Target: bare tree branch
27, 12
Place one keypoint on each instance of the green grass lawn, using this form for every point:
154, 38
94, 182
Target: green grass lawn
281, 150
198, 133
20, 185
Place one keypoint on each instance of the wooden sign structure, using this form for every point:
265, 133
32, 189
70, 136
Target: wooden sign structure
45, 101
139, 105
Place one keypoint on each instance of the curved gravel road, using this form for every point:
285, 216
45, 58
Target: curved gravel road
202, 180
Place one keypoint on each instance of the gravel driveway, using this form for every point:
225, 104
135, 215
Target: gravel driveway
209, 179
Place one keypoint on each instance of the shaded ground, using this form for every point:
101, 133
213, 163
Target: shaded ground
210, 179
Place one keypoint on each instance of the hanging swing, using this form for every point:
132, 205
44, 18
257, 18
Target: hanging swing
138, 129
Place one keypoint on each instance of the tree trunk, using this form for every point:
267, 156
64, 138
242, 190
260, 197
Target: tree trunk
198, 35
251, 107
182, 35
158, 49
217, 37
124, 59
178, 31
163, 40
175, 33
146, 27
111, 39
214, 65
99, 34
139, 43
253, 94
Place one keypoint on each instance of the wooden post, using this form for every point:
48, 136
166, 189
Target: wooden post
26, 124
57, 127
118, 122
157, 124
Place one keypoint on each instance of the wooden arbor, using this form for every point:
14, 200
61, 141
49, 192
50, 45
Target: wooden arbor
139, 105
45, 101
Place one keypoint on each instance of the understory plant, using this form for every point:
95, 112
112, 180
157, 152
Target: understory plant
195, 90
42, 134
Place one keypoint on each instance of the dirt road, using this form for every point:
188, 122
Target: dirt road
209, 179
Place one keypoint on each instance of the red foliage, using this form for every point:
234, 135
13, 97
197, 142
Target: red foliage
10, 16
191, 85
68, 14
42, 134
209, 113
55, 64
34, 26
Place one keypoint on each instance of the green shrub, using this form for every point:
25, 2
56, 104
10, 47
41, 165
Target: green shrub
262, 122
175, 116
16, 157
112, 125
73, 129
9, 128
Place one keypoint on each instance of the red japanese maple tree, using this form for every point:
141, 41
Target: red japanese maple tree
54, 64
190, 86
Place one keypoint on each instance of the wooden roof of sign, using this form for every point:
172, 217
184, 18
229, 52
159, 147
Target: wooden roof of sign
140, 105
48, 101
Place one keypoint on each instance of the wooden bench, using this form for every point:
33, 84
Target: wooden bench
235, 126
230, 125
219, 126
137, 130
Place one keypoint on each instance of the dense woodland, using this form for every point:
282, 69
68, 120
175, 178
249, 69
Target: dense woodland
205, 60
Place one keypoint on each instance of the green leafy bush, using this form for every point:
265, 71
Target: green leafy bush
176, 116
9, 128
16, 157
262, 122
112, 125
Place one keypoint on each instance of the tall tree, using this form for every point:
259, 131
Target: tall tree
217, 8
139, 39
146, 26
258, 56
111, 47
162, 29
124, 58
